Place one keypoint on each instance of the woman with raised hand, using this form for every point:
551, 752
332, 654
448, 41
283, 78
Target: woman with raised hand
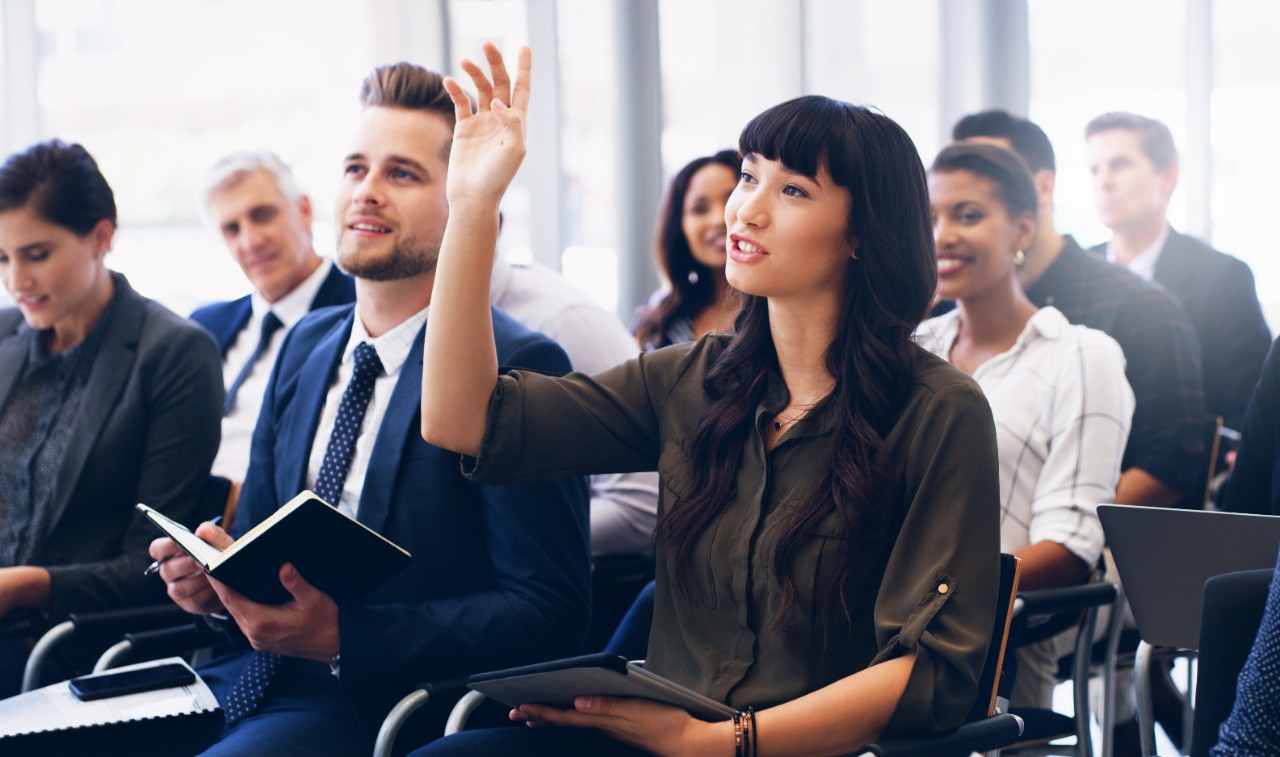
1058, 391
827, 550
692, 256
107, 399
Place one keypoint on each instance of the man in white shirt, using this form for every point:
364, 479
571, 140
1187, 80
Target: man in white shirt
1135, 170
254, 201
624, 506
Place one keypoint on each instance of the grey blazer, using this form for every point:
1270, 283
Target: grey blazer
147, 431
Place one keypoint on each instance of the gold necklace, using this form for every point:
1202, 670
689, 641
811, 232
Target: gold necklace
778, 423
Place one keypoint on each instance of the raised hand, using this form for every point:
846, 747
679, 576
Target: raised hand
488, 144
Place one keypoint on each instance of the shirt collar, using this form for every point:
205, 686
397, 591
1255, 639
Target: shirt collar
297, 303
392, 347
1144, 263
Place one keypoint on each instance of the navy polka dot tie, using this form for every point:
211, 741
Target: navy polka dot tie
250, 688
342, 442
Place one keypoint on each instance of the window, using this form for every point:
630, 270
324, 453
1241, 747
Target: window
1246, 154
883, 55
158, 91
1093, 56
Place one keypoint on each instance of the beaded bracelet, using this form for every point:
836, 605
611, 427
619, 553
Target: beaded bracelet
744, 723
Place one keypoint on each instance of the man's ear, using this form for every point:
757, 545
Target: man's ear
305, 210
1046, 181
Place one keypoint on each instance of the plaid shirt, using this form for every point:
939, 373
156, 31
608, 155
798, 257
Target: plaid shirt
1162, 354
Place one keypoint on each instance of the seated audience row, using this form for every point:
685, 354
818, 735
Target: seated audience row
814, 503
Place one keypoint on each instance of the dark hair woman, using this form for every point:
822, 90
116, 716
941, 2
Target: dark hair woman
692, 256
827, 552
106, 399
1058, 391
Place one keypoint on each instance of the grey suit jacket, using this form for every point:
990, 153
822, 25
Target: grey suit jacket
147, 430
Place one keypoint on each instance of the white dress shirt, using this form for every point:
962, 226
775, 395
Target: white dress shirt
393, 349
624, 506
1062, 408
1144, 263
232, 460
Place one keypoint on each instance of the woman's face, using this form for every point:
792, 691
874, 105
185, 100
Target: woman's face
48, 269
788, 233
974, 236
702, 218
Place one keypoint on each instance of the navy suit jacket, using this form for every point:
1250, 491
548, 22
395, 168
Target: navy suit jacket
146, 431
225, 320
1218, 294
500, 574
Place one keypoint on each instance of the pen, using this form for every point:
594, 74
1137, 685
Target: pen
154, 567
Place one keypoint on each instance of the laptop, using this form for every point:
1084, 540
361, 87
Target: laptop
1164, 556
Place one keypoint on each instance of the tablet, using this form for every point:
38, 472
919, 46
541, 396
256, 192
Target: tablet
558, 682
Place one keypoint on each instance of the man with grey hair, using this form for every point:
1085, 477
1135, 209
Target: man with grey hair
254, 201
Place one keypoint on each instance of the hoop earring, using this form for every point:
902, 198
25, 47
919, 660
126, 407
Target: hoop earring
1019, 258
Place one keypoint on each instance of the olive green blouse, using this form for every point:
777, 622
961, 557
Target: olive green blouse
927, 585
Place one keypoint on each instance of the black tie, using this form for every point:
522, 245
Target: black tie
250, 688
270, 324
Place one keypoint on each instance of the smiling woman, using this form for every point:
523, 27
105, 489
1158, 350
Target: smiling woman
1058, 392
106, 399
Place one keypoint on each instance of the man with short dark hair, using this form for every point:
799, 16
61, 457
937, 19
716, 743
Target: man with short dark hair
1135, 170
500, 575
265, 221
1165, 450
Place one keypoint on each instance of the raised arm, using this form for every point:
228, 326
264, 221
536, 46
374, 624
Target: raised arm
459, 363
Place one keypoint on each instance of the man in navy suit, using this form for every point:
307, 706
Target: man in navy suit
500, 574
1135, 170
265, 220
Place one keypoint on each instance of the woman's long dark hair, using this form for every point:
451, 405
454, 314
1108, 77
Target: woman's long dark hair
692, 284
888, 291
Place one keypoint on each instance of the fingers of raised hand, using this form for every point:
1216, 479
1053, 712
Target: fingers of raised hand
461, 103
498, 69
524, 74
484, 88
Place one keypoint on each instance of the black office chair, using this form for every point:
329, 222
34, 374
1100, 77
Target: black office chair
1041, 615
1233, 607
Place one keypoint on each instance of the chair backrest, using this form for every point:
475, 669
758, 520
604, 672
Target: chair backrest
989, 681
1213, 439
1164, 556
1233, 608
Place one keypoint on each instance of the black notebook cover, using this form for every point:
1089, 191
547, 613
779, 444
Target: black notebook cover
338, 555
558, 682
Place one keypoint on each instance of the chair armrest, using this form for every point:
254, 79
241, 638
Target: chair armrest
1062, 605
424, 694
1065, 599
119, 622
978, 736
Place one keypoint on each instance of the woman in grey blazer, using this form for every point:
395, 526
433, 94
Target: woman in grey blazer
106, 399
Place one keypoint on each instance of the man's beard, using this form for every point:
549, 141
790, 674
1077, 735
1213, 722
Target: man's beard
402, 263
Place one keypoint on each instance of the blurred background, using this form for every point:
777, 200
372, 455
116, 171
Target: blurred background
625, 92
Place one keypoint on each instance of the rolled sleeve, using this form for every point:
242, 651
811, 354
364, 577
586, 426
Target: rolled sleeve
1092, 412
938, 596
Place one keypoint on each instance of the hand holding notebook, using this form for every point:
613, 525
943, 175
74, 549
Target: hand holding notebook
338, 555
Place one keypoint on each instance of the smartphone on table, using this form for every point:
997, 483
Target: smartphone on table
119, 683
